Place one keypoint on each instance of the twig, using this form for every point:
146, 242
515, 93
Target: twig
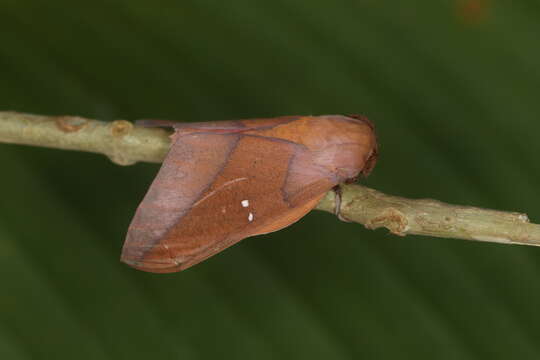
126, 144
431, 217
119, 140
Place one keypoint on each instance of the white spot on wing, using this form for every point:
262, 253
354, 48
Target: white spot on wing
250, 217
245, 203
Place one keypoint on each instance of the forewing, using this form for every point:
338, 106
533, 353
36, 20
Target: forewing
192, 164
216, 189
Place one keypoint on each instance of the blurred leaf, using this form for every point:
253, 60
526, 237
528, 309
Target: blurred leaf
452, 88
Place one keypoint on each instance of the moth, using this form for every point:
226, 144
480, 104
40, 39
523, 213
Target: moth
225, 181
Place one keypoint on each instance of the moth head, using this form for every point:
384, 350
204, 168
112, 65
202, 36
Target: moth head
345, 146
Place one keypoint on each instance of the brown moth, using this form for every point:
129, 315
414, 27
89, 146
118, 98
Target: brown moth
227, 180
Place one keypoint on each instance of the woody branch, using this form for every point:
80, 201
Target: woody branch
126, 144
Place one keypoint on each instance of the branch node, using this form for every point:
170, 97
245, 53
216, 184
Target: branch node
70, 124
392, 219
120, 128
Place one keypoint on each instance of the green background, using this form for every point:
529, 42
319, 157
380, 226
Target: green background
452, 87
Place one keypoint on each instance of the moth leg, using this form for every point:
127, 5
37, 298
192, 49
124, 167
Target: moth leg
337, 209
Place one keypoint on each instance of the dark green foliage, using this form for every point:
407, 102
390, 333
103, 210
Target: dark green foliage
455, 102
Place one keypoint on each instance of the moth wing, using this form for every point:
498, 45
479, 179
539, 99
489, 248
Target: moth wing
191, 165
216, 189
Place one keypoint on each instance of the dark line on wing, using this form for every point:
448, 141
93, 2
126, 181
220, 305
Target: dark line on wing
218, 173
272, 138
227, 237
210, 183
235, 126
284, 194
